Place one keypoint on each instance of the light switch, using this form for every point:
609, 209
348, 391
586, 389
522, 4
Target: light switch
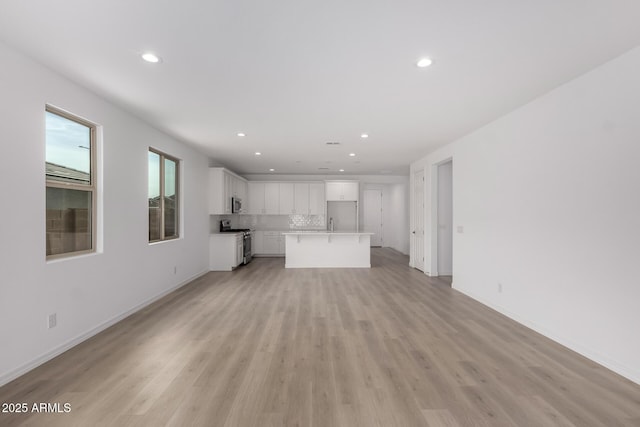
460, 229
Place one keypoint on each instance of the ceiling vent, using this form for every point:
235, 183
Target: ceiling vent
323, 169
332, 143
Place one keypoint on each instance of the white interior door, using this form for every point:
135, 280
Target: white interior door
417, 234
373, 216
445, 219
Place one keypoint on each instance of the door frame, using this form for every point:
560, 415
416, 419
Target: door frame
434, 213
416, 212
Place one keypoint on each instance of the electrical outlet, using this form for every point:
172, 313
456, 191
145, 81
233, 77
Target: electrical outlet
460, 229
52, 320
499, 288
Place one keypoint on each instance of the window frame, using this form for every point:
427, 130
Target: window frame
90, 188
161, 176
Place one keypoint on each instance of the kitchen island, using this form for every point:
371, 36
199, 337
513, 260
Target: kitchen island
326, 249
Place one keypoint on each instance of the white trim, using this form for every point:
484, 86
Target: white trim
34, 363
433, 220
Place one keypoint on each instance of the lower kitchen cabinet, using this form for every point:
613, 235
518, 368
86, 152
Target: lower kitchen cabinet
225, 251
257, 244
271, 242
268, 243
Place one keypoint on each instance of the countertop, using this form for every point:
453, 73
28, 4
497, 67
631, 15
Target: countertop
327, 233
230, 233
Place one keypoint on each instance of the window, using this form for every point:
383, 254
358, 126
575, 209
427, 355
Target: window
163, 196
71, 188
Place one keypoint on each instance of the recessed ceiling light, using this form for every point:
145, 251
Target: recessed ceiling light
241, 134
272, 170
258, 153
150, 57
352, 154
364, 135
424, 62
341, 170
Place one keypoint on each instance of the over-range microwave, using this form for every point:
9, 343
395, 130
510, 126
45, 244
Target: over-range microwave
236, 205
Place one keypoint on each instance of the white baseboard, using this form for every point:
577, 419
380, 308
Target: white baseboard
34, 363
607, 362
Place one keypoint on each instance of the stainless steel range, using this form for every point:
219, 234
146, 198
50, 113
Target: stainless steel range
225, 227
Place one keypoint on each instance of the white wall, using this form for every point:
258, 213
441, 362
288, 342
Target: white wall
549, 198
86, 292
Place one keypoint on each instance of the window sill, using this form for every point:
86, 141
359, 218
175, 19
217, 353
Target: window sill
70, 257
159, 242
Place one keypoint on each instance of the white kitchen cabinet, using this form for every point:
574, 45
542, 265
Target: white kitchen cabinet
317, 202
301, 198
228, 187
264, 198
225, 251
223, 185
342, 191
286, 205
281, 243
240, 190
244, 191
268, 243
256, 198
257, 243
271, 242
333, 191
271, 198
285, 198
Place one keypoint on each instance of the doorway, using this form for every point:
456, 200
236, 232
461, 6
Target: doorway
417, 214
373, 216
445, 221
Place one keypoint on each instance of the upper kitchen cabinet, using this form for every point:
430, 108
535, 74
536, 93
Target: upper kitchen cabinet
317, 202
342, 191
287, 198
223, 186
301, 198
309, 198
256, 198
272, 198
240, 190
264, 198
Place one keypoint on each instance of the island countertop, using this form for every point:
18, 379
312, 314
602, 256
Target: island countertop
328, 233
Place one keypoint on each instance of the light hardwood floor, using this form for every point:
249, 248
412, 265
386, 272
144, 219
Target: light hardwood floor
265, 346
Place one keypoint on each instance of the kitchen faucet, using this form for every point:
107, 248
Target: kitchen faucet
331, 224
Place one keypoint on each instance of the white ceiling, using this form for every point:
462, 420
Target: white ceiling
294, 74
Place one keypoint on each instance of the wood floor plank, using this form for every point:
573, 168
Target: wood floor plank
439, 418
267, 346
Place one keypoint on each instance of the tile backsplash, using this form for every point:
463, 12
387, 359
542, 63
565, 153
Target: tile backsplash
307, 222
271, 222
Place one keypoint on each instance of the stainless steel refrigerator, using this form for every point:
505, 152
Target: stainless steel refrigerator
343, 215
